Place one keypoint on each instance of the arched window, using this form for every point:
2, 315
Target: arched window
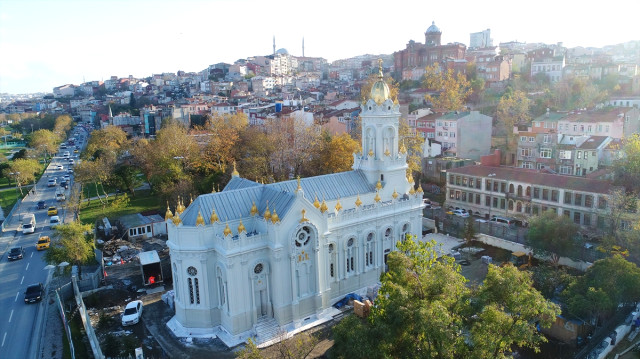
221, 291
405, 231
350, 260
510, 205
511, 188
368, 254
520, 190
332, 271
519, 206
191, 300
528, 192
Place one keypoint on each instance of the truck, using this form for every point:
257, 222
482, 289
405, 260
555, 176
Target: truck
28, 223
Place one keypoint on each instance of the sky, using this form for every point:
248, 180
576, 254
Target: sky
47, 43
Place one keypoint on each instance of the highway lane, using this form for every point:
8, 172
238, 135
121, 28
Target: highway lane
18, 320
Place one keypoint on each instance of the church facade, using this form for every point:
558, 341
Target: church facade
286, 251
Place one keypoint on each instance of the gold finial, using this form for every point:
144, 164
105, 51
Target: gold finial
316, 203
323, 206
403, 149
380, 74
235, 171
176, 219
227, 230
379, 185
180, 207
420, 188
338, 206
387, 153
394, 194
274, 217
304, 219
377, 197
358, 201
370, 152
213, 190
267, 213
412, 191
254, 209
214, 217
299, 187
241, 228
410, 178
190, 199
199, 219
168, 215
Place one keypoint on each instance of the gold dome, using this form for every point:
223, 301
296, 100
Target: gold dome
358, 201
168, 215
377, 197
316, 203
323, 206
274, 217
241, 228
380, 90
199, 219
379, 185
176, 219
267, 213
338, 206
254, 209
214, 217
394, 194
227, 230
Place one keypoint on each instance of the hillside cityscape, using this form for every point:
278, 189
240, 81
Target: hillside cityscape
468, 199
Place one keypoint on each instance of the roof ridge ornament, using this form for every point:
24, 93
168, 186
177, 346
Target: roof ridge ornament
358, 201
168, 215
235, 171
214, 217
199, 219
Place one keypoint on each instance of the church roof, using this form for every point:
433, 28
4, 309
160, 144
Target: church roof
237, 198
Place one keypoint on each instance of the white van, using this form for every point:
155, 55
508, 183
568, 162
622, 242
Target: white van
28, 223
503, 221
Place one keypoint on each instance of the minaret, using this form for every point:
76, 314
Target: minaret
274, 45
110, 113
381, 161
302, 46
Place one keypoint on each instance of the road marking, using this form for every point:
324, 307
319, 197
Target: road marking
22, 280
28, 264
3, 338
31, 257
10, 315
17, 294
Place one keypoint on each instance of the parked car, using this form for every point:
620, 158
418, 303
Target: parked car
42, 204
15, 253
132, 313
34, 293
52, 211
54, 221
43, 243
460, 213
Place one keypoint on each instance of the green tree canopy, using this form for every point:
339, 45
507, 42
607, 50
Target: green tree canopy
552, 235
74, 244
44, 142
453, 88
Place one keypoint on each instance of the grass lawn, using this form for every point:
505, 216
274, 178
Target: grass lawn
143, 201
8, 198
89, 190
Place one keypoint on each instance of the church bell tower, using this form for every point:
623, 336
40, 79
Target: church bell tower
382, 158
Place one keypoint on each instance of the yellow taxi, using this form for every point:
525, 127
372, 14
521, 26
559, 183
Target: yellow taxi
52, 211
43, 243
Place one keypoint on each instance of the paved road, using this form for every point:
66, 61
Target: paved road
20, 323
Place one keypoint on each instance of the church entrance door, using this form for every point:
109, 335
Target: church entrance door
263, 310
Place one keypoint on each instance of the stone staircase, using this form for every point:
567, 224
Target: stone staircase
266, 329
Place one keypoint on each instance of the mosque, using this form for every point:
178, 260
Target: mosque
284, 252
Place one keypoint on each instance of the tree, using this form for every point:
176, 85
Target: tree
622, 208
552, 235
469, 232
334, 153
22, 171
424, 305
74, 245
62, 125
513, 109
44, 142
453, 88
126, 178
605, 285
627, 167
111, 140
223, 133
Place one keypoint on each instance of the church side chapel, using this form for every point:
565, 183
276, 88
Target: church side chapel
284, 252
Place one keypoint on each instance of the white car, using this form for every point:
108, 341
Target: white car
59, 167
461, 213
54, 221
132, 313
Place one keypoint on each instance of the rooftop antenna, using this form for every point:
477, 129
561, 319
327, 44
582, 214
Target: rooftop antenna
303, 46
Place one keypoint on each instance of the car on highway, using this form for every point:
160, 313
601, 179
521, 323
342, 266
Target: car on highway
52, 211
51, 182
69, 171
67, 177
54, 221
132, 313
34, 293
59, 167
64, 184
65, 154
43, 243
15, 253
76, 151
460, 213
42, 204
28, 223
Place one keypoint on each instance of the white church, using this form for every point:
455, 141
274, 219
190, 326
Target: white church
284, 252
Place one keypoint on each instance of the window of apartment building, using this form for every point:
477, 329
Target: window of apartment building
589, 128
588, 200
545, 153
579, 155
532, 139
535, 210
510, 206
567, 213
464, 181
586, 220
452, 124
527, 165
553, 125
565, 170
602, 202
495, 202
576, 217
470, 197
487, 185
564, 155
567, 197
577, 200
526, 152
431, 135
471, 180
478, 183
495, 186
606, 129
600, 222
539, 166
452, 134
545, 194
458, 180
503, 203
586, 154
458, 195
537, 124
451, 179
545, 124
546, 139
599, 128
487, 201
523, 138
554, 195
575, 128
451, 194
503, 187
439, 133
581, 128
536, 192
464, 196
440, 123
477, 198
